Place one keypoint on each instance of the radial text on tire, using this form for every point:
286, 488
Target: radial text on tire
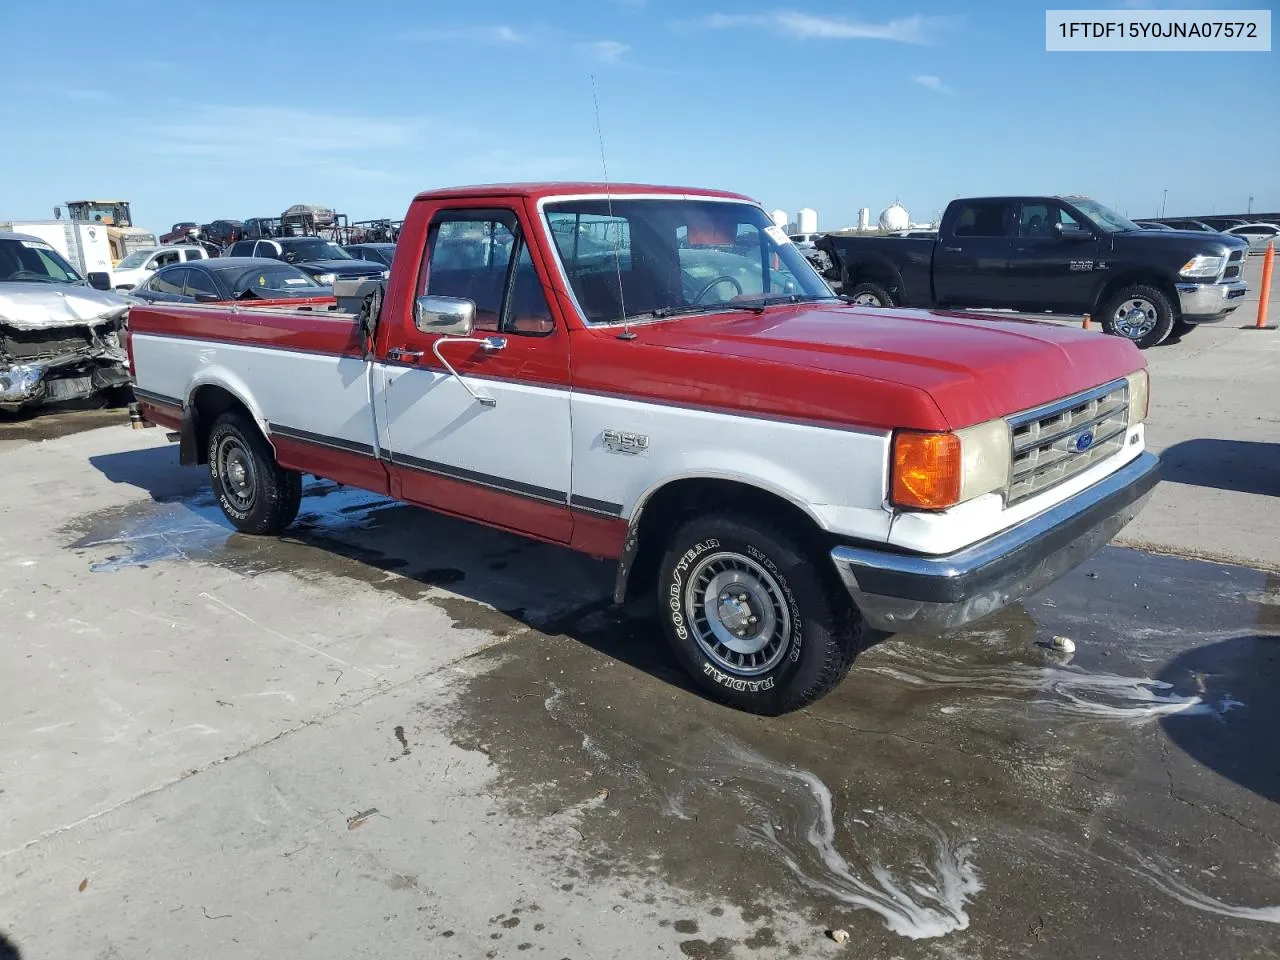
758, 621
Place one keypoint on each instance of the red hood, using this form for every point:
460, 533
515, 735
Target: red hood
876, 367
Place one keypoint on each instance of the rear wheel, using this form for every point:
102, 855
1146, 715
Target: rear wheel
1141, 314
256, 493
756, 622
867, 293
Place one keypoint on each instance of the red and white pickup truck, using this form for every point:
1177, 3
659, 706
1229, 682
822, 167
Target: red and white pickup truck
656, 376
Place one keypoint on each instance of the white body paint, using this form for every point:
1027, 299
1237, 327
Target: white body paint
552, 438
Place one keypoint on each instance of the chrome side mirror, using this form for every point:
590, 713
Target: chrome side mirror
445, 316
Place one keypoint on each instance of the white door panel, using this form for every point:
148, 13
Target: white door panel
520, 444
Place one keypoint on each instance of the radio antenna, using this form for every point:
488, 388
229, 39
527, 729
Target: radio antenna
626, 334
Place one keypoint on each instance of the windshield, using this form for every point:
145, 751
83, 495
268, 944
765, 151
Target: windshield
646, 258
301, 251
135, 259
34, 262
275, 278
1104, 218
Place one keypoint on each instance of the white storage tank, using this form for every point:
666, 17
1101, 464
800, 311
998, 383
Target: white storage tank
864, 218
780, 218
895, 217
807, 220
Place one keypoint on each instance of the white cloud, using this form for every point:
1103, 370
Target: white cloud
499, 33
603, 51
932, 82
917, 28
342, 145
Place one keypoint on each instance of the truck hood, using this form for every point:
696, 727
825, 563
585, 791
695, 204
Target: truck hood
42, 306
974, 367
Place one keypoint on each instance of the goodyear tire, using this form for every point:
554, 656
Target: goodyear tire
1140, 313
256, 493
870, 294
756, 622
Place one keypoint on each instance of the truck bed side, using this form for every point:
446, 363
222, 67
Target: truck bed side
300, 373
902, 265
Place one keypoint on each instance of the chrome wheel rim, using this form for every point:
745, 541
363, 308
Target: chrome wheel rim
239, 476
1136, 317
867, 300
738, 614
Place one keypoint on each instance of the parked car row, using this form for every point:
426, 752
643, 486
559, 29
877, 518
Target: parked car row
228, 279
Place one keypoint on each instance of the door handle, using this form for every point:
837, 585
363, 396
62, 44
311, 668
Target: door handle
954, 249
486, 343
400, 353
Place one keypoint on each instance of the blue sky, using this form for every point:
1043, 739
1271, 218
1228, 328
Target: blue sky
198, 110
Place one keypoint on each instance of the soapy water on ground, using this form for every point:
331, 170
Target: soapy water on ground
791, 815
196, 529
1065, 691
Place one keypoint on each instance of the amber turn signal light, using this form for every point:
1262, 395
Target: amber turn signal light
926, 470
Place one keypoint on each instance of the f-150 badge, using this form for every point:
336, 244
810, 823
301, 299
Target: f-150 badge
619, 441
1080, 266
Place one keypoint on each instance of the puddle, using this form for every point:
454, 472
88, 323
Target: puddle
907, 806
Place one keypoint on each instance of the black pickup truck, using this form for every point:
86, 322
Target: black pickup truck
1067, 255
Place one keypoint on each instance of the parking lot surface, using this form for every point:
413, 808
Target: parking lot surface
392, 734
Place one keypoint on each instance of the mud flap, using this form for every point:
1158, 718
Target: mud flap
190, 453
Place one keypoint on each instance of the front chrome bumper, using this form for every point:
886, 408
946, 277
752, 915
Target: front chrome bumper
899, 592
1210, 302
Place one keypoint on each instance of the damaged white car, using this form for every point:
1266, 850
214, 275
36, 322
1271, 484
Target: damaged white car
60, 339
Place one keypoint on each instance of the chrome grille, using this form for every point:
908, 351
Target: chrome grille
1234, 259
1047, 440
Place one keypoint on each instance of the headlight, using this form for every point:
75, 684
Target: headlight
1139, 396
1204, 265
386, 274
327, 278
933, 471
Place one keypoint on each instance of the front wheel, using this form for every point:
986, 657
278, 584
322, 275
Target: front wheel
756, 622
254, 491
1141, 314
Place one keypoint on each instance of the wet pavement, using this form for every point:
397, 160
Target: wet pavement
982, 795
57, 420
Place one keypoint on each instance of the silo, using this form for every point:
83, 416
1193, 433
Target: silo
780, 219
807, 220
864, 218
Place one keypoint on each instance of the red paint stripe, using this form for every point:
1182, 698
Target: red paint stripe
310, 332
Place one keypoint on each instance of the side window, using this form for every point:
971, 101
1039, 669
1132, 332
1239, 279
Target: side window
169, 281
199, 282
468, 257
982, 218
195, 253
1033, 220
265, 248
164, 259
528, 312
243, 248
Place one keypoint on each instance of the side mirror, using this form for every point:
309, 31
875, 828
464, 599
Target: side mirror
99, 280
151, 267
445, 316
1071, 231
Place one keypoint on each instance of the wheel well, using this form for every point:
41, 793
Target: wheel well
1161, 283
680, 500
204, 407
873, 273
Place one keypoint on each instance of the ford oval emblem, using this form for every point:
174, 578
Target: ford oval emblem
1084, 442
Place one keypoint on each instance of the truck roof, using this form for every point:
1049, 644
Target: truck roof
545, 189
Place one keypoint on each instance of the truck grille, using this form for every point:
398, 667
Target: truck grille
1049, 445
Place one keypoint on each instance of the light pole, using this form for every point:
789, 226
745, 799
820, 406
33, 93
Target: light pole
1162, 202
